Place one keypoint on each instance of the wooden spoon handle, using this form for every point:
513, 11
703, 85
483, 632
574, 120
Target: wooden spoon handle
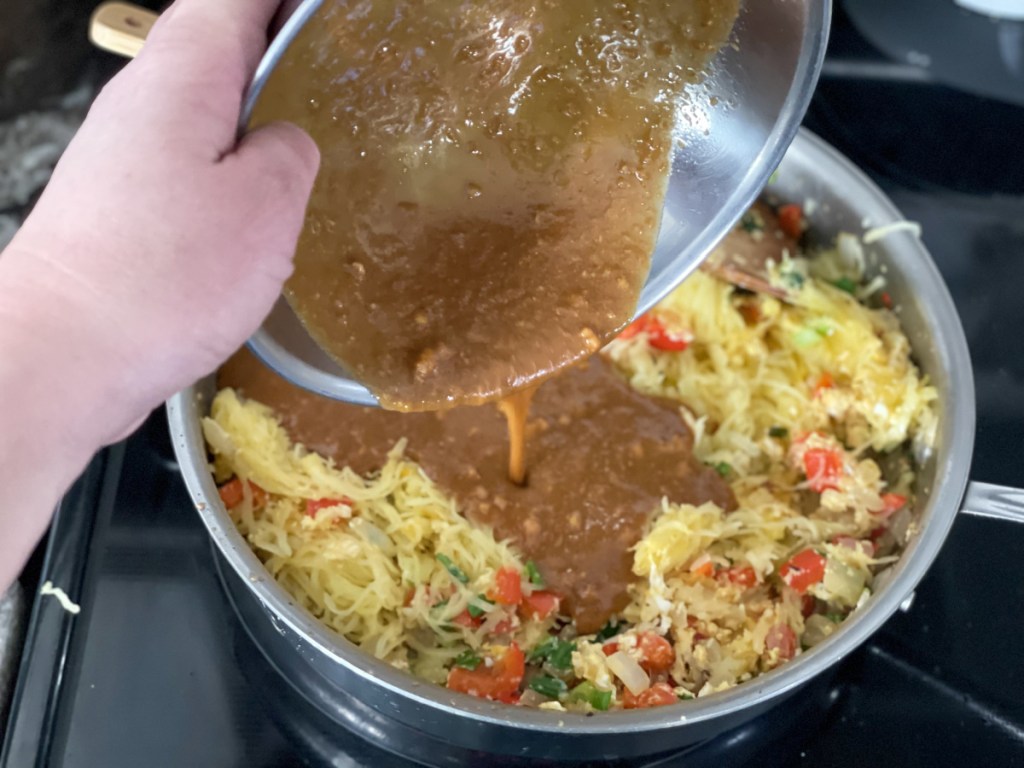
120, 28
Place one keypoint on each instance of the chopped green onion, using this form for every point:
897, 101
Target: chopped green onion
823, 327
793, 279
468, 659
684, 696
592, 695
533, 574
778, 432
561, 657
608, 631
835, 618
557, 653
750, 223
806, 337
548, 686
723, 468
846, 284
476, 610
457, 573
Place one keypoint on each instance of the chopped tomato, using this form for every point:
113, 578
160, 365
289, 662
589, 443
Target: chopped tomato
781, 638
825, 381
892, 502
703, 567
539, 605
823, 469
743, 576
657, 654
791, 220
499, 681
503, 627
886, 300
876, 533
612, 646
659, 337
232, 493
638, 326
508, 589
658, 695
466, 619
803, 570
315, 505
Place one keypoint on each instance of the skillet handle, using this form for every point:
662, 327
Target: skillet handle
120, 28
998, 502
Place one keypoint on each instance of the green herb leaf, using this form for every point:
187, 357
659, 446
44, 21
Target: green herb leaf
548, 686
750, 223
608, 631
533, 574
793, 279
778, 432
457, 573
475, 609
468, 660
723, 468
592, 695
561, 657
846, 284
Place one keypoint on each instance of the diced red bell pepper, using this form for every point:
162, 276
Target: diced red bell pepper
658, 336
825, 381
658, 695
232, 493
823, 468
539, 605
791, 220
803, 570
635, 328
886, 300
466, 619
891, 503
500, 681
705, 569
656, 653
508, 588
315, 505
612, 646
743, 576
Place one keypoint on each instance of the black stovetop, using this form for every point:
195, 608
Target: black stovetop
150, 673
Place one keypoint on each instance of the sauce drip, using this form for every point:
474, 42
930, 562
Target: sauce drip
491, 184
516, 408
603, 457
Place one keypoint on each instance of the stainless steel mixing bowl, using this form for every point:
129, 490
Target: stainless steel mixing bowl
432, 724
732, 136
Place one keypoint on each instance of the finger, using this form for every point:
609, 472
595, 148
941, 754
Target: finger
280, 161
227, 36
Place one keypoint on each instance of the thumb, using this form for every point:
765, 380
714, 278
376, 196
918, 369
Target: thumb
281, 157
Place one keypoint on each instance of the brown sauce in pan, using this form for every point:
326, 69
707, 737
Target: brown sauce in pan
602, 457
492, 180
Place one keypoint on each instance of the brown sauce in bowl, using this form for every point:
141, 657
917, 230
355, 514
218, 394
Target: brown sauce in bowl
492, 180
602, 457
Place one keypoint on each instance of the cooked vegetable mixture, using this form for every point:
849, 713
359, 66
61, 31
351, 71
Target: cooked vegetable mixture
804, 399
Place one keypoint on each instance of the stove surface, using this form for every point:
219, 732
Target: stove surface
151, 672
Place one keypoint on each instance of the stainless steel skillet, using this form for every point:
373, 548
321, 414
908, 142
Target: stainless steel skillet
429, 723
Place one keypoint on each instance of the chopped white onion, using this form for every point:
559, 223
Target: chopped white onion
843, 583
629, 671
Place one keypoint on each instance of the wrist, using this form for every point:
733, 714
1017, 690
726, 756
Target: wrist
54, 370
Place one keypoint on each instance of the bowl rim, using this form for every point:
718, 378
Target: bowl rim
952, 467
333, 384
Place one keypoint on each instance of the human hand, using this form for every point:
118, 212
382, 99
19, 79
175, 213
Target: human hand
161, 244
157, 248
